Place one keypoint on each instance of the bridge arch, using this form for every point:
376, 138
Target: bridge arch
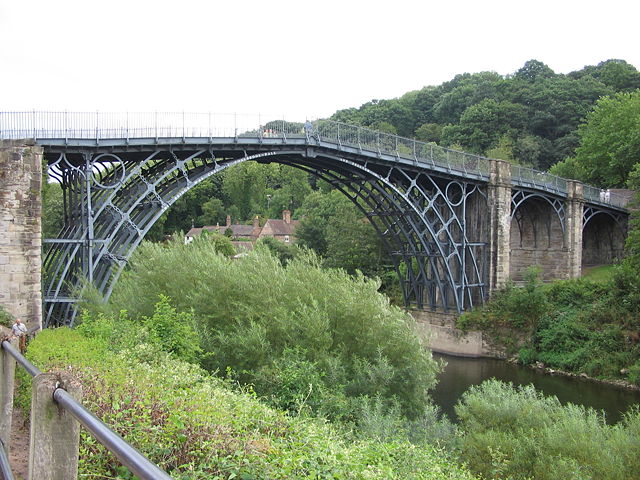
115, 199
537, 234
603, 236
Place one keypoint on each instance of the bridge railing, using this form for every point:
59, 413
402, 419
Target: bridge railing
54, 438
604, 197
413, 150
127, 125
124, 125
526, 176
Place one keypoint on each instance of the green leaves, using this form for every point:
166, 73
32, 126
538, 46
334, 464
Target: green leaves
609, 141
519, 434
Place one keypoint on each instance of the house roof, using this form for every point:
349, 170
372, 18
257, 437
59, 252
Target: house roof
237, 230
279, 227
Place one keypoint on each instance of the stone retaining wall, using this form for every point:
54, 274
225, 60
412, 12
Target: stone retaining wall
443, 337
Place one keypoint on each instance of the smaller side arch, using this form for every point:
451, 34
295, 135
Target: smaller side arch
537, 236
603, 236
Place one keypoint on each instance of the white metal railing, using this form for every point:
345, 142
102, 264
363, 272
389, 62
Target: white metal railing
606, 197
42, 125
537, 179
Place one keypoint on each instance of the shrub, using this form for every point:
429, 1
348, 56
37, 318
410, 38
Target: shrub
514, 307
193, 426
521, 434
634, 373
170, 331
6, 319
252, 310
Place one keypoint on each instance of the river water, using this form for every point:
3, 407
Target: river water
461, 373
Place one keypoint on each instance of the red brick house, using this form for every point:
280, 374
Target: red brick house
282, 230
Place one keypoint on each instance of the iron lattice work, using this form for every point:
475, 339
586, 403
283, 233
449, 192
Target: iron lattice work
121, 171
521, 197
591, 211
112, 198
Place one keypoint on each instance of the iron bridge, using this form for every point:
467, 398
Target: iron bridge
121, 171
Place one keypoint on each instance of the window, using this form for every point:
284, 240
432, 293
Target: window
286, 239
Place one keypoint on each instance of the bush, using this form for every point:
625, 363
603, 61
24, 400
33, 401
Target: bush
193, 426
513, 307
170, 331
518, 433
6, 319
252, 310
634, 373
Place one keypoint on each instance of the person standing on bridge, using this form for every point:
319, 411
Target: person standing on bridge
19, 329
308, 129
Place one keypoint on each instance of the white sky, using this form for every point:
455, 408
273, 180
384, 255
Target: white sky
288, 58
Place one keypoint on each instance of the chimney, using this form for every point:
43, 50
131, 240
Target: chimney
286, 216
256, 222
228, 220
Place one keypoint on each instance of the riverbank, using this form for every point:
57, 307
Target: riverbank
444, 338
618, 383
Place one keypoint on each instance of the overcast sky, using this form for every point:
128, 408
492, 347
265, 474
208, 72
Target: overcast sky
287, 58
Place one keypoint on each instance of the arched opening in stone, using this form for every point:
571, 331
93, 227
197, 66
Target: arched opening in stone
537, 239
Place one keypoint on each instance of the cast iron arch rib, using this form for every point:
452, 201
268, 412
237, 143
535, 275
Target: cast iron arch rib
122, 197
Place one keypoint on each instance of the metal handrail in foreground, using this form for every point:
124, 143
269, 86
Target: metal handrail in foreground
128, 455
5, 465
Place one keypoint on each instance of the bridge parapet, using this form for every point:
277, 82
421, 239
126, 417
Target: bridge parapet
67, 127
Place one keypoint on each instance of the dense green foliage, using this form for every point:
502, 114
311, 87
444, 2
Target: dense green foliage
579, 326
304, 336
195, 427
242, 192
334, 228
609, 142
52, 209
532, 115
519, 434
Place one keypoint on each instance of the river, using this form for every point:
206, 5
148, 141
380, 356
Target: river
461, 373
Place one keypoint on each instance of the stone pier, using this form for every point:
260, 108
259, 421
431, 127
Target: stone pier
20, 230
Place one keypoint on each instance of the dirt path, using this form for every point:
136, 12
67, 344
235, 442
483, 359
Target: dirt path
19, 447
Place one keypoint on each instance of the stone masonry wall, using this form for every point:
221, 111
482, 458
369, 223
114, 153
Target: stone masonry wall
439, 332
20, 230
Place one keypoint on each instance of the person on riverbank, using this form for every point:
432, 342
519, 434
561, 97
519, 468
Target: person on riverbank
19, 329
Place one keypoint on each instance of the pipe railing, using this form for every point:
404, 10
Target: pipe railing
5, 465
128, 455
42, 125
526, 176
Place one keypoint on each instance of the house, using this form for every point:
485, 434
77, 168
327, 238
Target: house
246, 235
239, 232
283, 230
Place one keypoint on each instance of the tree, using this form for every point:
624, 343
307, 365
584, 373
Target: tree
472, 89
316, 211
610, 141
244, 186
333, 226
52, 209
482, 124
614, 73
429, 132
534, 70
